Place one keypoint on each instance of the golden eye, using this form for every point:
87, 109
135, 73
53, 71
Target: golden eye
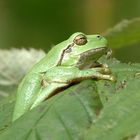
80, 39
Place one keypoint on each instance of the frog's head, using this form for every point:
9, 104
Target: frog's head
83, 49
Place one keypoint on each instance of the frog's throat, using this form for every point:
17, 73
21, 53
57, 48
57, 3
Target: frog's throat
87, 58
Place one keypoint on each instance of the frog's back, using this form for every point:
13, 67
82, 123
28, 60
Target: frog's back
50, 60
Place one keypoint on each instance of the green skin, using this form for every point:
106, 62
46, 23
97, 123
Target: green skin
69, 61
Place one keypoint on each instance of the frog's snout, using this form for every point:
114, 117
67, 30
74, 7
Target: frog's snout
102, 39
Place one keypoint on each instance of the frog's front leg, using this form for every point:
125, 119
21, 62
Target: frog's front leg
59, 77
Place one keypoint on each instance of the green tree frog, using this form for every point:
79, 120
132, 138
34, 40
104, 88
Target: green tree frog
72, 60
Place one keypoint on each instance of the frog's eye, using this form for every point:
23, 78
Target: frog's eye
80, 39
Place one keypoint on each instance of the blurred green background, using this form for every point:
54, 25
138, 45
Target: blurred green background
43, 23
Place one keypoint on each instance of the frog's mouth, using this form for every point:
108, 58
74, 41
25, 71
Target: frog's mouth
88, 57
99, 49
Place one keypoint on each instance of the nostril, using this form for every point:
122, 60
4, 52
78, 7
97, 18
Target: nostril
98, 36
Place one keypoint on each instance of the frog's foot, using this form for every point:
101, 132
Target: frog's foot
104, 66
108, 77
104, 73
103, 70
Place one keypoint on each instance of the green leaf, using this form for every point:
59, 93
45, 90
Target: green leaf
125, 33
89, 110
65, 116
78, 109
6, 112
14, 64
120, 118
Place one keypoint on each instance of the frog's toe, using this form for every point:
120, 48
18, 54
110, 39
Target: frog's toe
105, 71
112, 78
104, 65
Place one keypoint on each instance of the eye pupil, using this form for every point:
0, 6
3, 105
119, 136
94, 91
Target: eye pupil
80, 39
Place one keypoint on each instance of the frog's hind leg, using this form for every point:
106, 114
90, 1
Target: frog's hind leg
47, 91
27, 91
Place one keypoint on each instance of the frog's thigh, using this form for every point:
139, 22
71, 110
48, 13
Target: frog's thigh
27, 90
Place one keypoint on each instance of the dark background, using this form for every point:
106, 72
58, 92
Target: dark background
43, 23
